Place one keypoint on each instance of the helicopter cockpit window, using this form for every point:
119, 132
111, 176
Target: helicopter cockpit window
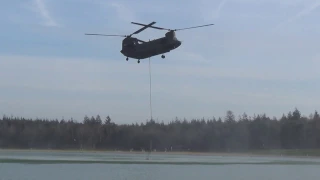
129, 44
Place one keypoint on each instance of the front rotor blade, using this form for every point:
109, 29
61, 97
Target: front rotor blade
193, 27
106, 35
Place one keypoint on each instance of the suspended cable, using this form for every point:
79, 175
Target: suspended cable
150, 90
149, 152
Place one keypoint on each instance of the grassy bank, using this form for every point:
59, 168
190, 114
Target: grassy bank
291, 152
276, 152
28, 161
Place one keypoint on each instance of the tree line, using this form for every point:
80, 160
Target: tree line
226, 134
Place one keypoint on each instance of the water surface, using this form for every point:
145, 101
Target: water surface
110, 166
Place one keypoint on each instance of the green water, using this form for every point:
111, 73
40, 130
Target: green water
40, 165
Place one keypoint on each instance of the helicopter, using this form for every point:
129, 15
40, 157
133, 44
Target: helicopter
138, 49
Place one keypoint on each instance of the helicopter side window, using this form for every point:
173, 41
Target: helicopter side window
136, 42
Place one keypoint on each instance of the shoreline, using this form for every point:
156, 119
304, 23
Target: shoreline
257, 153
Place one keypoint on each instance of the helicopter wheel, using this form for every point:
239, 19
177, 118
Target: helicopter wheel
138, 61
127, 59
163, 56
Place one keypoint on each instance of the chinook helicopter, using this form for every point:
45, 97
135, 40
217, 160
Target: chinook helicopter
139, 49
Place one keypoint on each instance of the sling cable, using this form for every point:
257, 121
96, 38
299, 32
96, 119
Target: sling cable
150, 90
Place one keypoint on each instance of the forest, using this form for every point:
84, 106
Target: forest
223, 134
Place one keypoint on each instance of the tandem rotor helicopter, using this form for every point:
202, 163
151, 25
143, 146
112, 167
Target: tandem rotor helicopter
139, 49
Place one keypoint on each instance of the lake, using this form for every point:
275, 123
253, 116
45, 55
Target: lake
58, 165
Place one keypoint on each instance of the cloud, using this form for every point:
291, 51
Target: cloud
232, 65
73, 87
222, 3
62, 74
93, 75
42, 9
304, 12
284, 2
123, 11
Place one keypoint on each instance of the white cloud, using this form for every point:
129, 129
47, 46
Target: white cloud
305, 11
56, 87
222, 3
284, 2
123, 11
43, 11
63, 74
194, 80
309, 7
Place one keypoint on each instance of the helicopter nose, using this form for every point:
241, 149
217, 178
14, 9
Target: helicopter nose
178, 43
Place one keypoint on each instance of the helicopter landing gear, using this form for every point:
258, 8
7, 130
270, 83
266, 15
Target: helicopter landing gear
127, 59
163, 56
138, 61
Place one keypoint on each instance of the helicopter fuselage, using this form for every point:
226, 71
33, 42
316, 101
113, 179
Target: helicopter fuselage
138, 49
133, 49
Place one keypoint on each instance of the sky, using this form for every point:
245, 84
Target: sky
261, 56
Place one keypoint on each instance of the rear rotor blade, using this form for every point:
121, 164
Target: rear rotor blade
155, 27
193, 27
106, 35
145, 27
